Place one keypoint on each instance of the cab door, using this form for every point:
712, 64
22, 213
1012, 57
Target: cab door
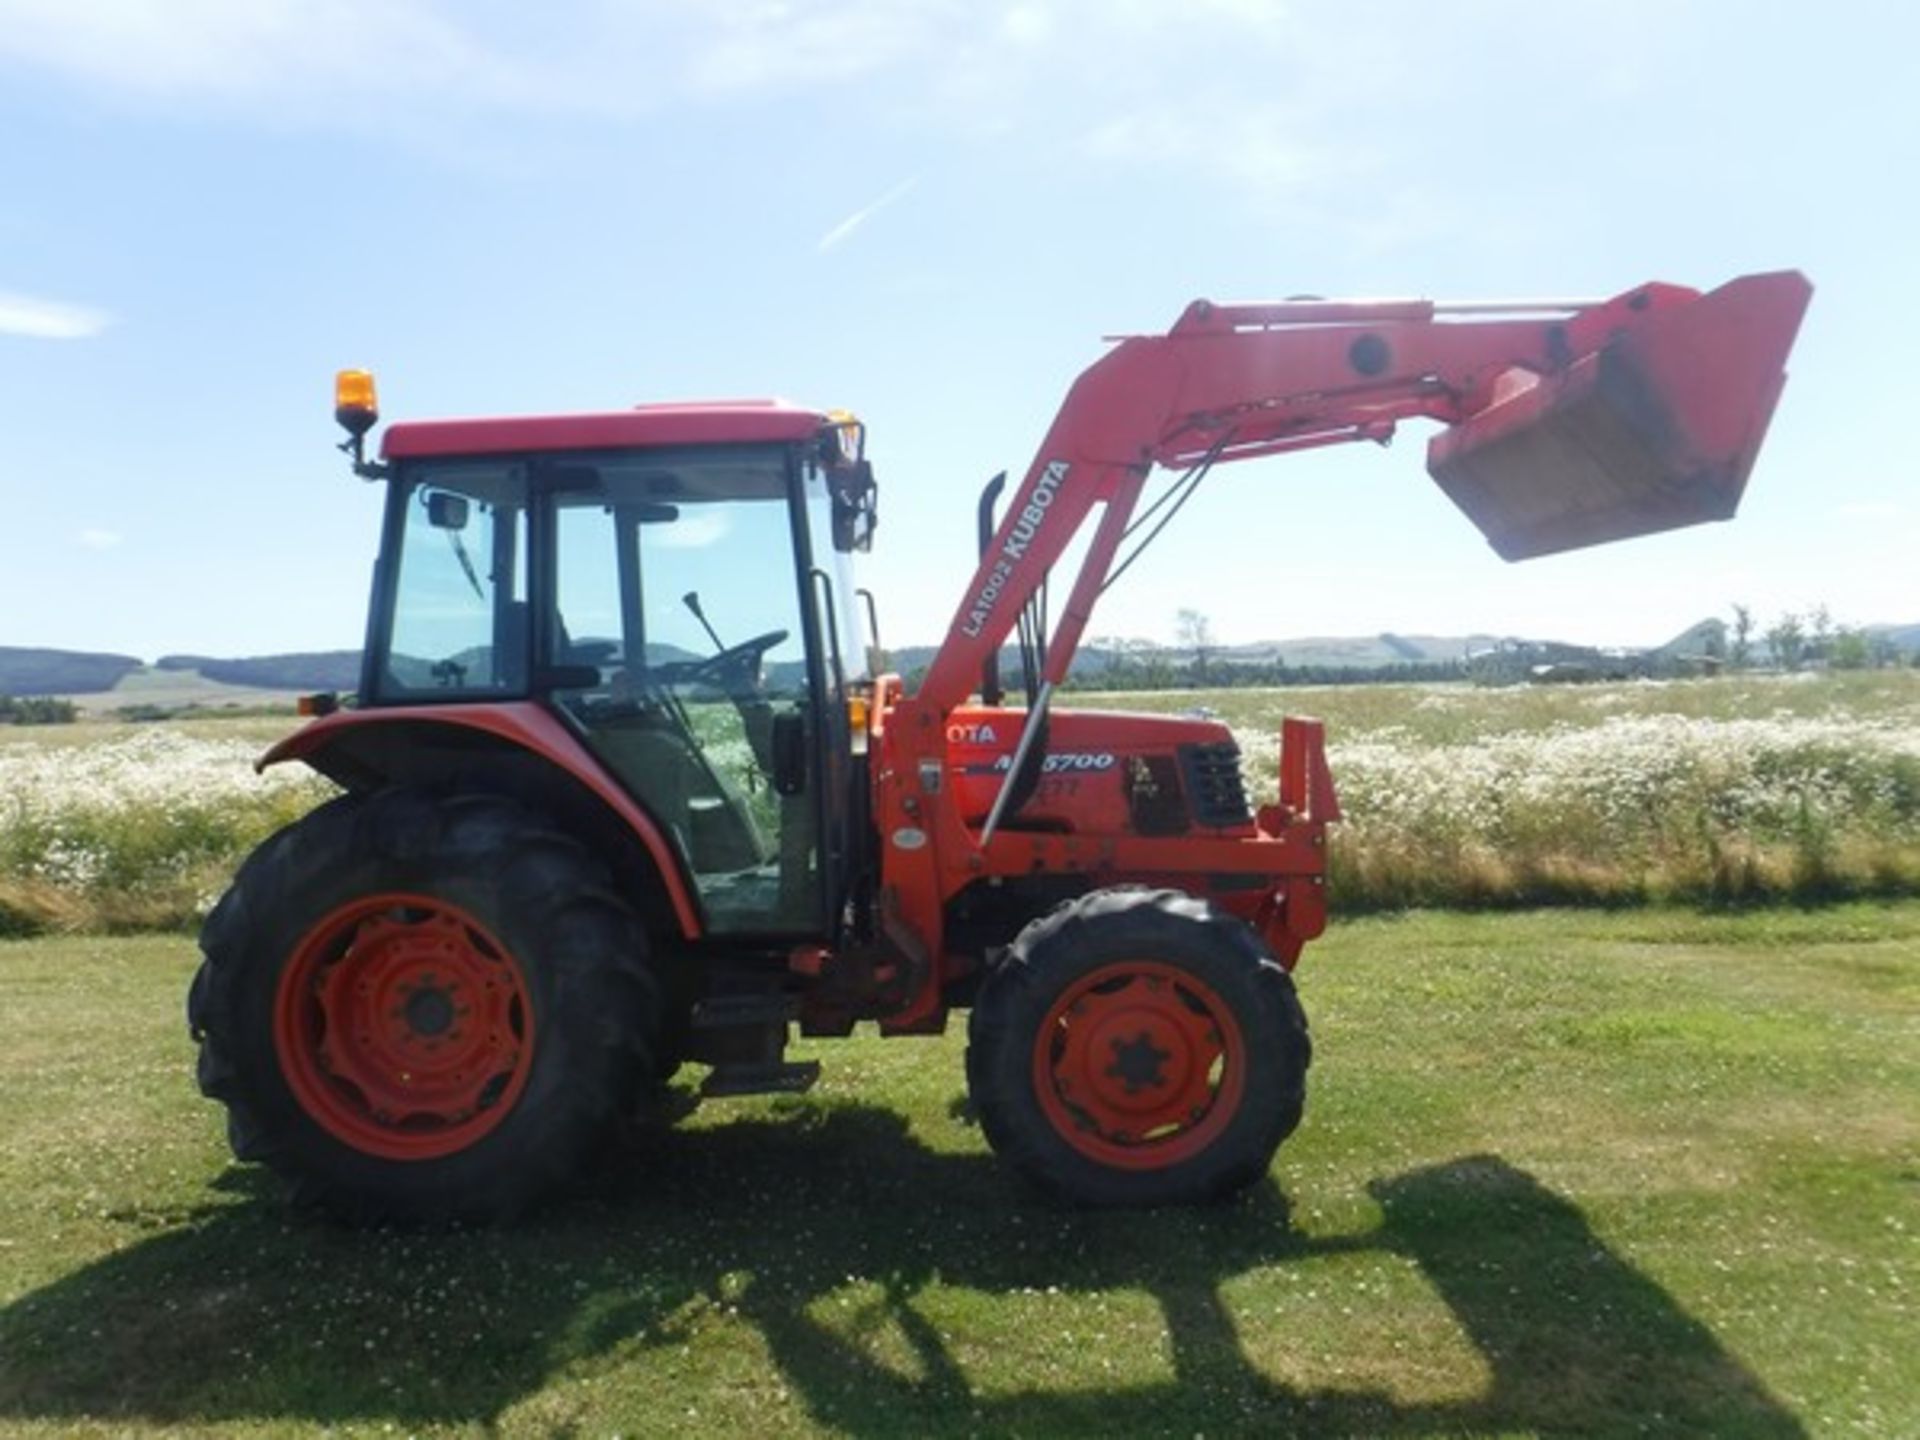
689, 650
845, 669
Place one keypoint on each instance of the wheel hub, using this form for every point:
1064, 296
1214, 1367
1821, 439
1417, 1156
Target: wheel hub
1138, 1065
403, 1027
429, 1010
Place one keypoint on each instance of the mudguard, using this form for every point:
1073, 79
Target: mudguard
335, 745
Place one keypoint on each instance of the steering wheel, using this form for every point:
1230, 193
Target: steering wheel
734, 669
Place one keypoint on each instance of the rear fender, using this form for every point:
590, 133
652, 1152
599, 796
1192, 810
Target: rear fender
518, 748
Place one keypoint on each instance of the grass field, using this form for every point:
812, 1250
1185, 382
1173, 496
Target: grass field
174, 689
1561, 1173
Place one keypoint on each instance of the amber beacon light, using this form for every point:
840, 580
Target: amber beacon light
355, 404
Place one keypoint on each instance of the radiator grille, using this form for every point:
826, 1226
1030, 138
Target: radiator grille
1216, 791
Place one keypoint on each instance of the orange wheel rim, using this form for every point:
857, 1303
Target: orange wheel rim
1139, 1065
403, 1027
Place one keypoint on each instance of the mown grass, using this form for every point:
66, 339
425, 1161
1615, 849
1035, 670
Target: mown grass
1562, 1173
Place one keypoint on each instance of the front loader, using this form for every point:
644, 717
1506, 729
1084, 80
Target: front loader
619, 792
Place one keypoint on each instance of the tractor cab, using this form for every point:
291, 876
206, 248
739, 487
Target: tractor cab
672, 583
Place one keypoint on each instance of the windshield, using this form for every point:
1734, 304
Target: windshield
665, 557
631, 535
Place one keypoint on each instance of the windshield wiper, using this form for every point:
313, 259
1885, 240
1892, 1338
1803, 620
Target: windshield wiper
466, 563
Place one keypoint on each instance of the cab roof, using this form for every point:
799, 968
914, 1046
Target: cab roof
695, 422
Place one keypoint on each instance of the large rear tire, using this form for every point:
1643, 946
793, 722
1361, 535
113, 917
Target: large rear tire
418, 1007
1137, 1048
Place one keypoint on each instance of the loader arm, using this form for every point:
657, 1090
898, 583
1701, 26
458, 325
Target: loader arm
1570, 424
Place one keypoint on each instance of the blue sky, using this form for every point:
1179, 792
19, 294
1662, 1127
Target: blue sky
927, 211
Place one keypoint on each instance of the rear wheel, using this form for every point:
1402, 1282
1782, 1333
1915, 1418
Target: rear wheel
419, 1007
1138, 1048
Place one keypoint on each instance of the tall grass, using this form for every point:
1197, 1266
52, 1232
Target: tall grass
140, 829
1632, 809
1729, 791
1710, 791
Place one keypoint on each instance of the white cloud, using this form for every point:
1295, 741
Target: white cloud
331, 62
764, 44
336, 62
100, 539
273, 52
323, 59
1027, 25
49, 319
431, 72
853, 222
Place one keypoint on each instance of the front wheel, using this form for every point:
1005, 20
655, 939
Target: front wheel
1138, 1048
421, 1007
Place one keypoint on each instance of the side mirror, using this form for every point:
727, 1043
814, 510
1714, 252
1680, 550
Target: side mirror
788, 750
446, 511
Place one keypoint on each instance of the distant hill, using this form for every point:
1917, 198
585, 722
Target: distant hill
104, 681
149, 693
318, 670
61, 672
1904, 638
1709, 637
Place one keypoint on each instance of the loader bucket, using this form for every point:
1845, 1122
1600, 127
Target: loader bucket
1655, 430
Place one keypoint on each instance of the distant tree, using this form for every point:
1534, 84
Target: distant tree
1787, 641
1741, 654
1193, 631
1820, 636
37, 710
1849, 650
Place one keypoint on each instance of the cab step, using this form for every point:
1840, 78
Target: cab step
778, 1077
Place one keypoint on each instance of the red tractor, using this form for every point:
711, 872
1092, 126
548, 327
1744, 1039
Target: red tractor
620, 791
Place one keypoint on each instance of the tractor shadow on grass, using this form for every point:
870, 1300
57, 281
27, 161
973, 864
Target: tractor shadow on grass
241, 1311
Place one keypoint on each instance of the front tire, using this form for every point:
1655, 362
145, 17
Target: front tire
1138, 1048
422, 1008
